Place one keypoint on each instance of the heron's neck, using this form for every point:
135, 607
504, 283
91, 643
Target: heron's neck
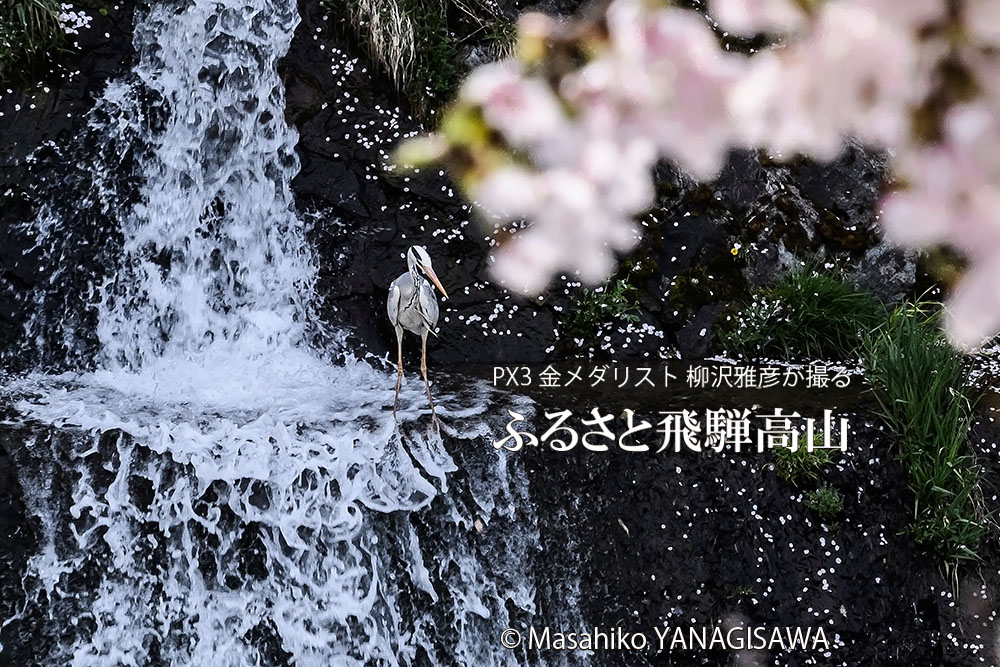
415, 274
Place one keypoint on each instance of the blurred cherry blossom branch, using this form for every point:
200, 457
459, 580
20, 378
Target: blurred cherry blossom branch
565, 134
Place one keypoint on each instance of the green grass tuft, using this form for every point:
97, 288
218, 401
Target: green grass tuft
826, 501
800, 465
30, 33
804, 315
418, 42
923, 387
592, 309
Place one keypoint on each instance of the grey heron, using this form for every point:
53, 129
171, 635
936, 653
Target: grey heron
413, 306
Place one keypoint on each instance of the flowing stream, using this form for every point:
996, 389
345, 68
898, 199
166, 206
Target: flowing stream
211, 488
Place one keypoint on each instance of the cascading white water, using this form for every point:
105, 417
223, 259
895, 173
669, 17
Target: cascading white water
235, 498
214, 256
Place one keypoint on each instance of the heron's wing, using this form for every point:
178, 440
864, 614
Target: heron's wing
428, 306
392, 305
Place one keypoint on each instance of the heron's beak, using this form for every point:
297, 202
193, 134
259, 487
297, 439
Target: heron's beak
433, 276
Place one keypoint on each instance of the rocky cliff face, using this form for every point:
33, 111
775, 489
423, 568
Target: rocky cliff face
46, 147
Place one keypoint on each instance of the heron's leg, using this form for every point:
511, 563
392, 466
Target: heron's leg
423, 369
399, 368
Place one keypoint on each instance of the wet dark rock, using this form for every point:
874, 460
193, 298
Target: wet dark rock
265, 639
694, 339
17, 543
786, 213
888, 272
56, 108
26, 461
44, 142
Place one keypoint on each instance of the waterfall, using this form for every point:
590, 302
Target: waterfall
214, 255
213, 491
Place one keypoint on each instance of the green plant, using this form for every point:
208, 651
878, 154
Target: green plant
615, 300
742, 590
826, 501
30, 33
805, 314
436, 67
799, 465
417, 42
926, 396
500, 35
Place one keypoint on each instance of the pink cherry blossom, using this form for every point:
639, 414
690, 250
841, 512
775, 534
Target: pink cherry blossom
982, 20
754, 16
953, 197
524, 109
509, 193
912, 15
917, 79
806, 97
